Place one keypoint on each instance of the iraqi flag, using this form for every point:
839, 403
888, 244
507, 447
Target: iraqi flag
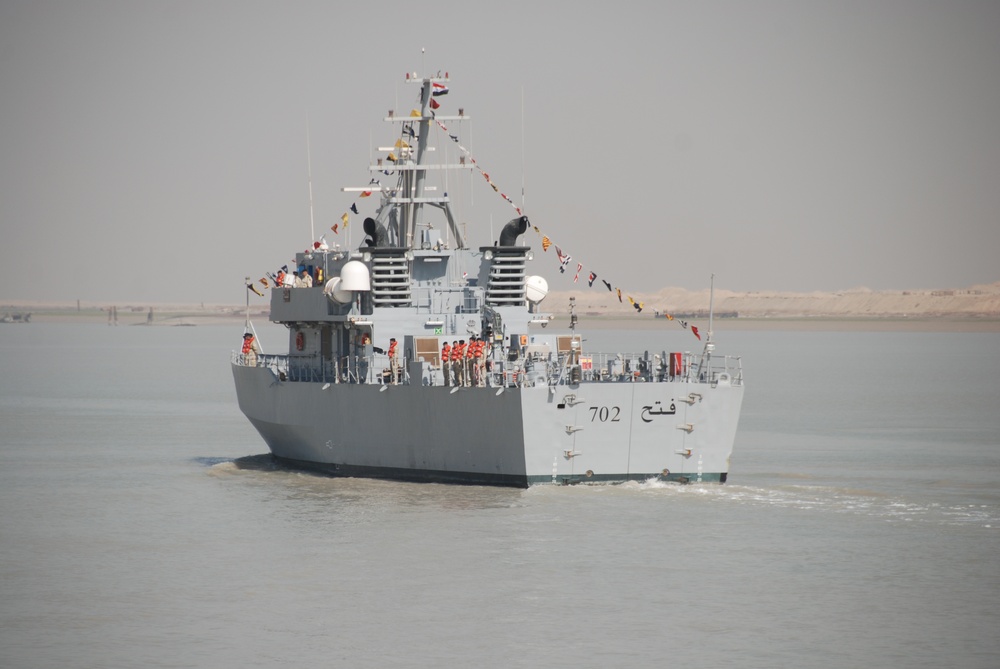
438, 89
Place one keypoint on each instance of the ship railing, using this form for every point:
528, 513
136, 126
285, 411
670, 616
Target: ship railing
634, 367
716, 368
524, 372
364, 369
310, 368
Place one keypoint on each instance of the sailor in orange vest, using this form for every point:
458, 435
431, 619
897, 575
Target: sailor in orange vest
393, 363
458, 362
250, 349
470, 363
480, 361
446, 363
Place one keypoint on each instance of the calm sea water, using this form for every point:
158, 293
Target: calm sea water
140, 526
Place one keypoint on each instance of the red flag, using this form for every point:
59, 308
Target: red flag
695, 331
434, 104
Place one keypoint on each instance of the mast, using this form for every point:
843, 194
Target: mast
711, 307
403, 206
706, 356
417, 194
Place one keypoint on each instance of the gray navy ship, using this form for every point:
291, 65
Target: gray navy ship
368, 388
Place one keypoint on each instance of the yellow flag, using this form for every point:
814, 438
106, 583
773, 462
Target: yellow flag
415, 113
344, 218
400, 144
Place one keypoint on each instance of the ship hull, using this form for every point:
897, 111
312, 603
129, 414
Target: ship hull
567, 433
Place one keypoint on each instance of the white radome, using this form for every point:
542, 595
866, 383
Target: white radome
536, 288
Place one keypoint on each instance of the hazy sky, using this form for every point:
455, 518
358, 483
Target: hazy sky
156, 151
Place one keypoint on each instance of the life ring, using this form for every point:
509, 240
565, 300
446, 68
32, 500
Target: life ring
300, 341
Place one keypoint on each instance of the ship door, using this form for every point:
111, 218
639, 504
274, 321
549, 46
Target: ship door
361, 352
326, 346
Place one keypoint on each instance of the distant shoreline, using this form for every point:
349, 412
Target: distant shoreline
800, 324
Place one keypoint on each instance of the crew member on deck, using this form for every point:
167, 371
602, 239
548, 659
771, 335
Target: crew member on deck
458, 362
250, 349
393, 363
363, 355
480, 361
446, 363
304, 279
470, 365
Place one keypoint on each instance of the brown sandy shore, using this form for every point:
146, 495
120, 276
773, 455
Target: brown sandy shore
974, 309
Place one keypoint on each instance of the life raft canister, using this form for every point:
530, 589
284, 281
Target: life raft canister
300, 341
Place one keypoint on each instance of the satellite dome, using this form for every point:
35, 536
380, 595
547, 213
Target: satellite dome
354, 276
536, 288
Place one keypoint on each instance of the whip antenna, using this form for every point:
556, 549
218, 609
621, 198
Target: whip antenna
309, 168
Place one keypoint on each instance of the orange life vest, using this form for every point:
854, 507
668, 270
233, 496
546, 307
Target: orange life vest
392, 349
457, 352
247, 345
446, 353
